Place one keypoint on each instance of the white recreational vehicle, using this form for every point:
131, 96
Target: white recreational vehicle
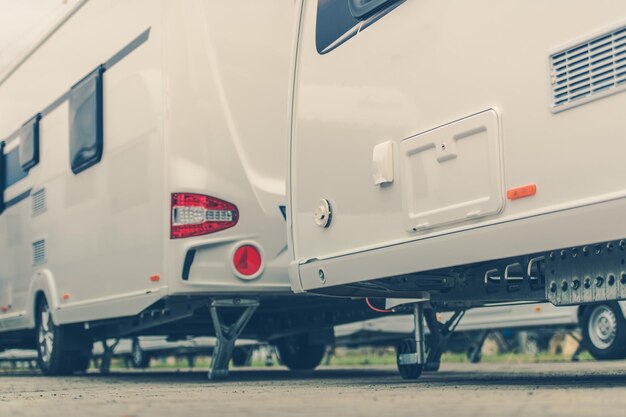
459, 153
143, 152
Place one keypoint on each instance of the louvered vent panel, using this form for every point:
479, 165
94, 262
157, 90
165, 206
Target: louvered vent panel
589, 70
39, 202
39, 252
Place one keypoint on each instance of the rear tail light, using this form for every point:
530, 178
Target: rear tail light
197, 215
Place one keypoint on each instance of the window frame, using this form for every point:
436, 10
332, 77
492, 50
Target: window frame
30, 130
2, 176
361, 10
77, 97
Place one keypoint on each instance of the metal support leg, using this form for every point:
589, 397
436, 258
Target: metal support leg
415, 355
227, 335
269, 356
107, 356
412, 352
579, 349
440, 334
420, 339
474, 353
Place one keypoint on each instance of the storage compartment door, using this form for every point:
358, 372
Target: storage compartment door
453, 173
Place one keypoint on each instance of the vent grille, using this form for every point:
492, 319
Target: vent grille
39, 252
589, 70
39, 202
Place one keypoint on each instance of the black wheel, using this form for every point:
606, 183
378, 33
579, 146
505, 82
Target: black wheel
298, 354
412, 371
191, 360
81, 361
61, 350
474, 355
604, 331
139, 358
242, 356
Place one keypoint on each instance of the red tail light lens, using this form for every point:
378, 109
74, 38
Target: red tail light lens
197, 215
247, 260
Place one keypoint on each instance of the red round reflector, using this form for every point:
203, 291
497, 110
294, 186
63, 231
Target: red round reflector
247, 260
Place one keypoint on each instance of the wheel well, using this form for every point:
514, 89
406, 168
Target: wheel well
39, 295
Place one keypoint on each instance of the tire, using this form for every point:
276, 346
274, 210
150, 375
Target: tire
81, 361
54, 355
604, 331
474, 355
139, 358
412, 371
242, 356
298, 354
191, 360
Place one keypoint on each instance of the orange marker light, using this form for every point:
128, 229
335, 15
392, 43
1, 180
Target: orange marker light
66, 296
521, 192
155, 278
537, 309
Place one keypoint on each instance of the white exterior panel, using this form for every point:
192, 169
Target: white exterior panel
419, 68
191, 103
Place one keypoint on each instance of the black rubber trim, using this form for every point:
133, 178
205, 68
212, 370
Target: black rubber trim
121, 54
12, 202
134, 44
189, 257
2, 177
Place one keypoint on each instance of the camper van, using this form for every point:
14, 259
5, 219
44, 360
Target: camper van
143, 157
458, 153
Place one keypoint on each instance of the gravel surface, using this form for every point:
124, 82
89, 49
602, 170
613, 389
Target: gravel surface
563, 389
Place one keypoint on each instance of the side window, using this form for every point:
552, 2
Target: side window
361, 8
86, 122
29, 143
340, 20
2, 176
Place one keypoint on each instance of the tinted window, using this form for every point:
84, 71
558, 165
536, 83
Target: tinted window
340, 20
334, 20
2, 176
86, 122
29, 144
360, 8
13, 171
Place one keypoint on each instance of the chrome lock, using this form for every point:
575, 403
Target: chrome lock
323, 213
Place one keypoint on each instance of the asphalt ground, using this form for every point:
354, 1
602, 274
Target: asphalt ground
546, 389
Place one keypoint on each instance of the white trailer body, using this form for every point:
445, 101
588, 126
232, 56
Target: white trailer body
188, 107
464, 151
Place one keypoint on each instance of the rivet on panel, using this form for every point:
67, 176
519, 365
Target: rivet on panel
599, 281
553, 287
610, 280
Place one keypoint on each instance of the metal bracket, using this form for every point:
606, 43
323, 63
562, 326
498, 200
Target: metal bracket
227, 335
585, 274
440, 334
107, 355
419, 357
